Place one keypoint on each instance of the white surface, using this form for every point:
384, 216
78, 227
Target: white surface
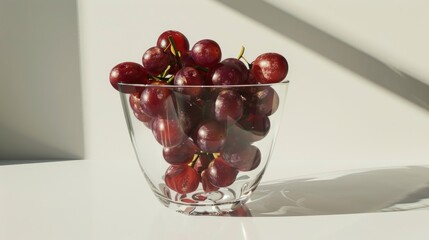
334, 120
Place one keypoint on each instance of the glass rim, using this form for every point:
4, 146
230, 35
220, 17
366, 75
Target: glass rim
285, 82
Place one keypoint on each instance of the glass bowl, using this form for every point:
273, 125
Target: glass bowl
203, 149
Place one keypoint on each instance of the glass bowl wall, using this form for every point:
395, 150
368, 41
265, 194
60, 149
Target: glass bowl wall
231, 128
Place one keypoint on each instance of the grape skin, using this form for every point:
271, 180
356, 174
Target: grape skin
180, 154
211, 136
206, 53
167, 132
181, 178
155, 60
270, 68
228, 106
220, 174
130, 73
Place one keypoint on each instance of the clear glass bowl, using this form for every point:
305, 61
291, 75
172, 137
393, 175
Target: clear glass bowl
203, 149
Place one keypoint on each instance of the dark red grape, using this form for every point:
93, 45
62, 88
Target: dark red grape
182, 43
158, 102
235, 62
254, 127
225, 74
202, 163
210, 136
244, 158
251, 79
168, 133
181, 178
269, 68
134, 100
145, 119
130, 73
228, 106
189, 76
187, 60
207, 186
264, 101
180, 154
206, 53
188, 113
220, 174
155, 60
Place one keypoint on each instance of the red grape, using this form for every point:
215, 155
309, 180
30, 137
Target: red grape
181, 178
155, 60
206, 53
188, 113
187, 60
168, 133
269, 68
202, 163
210, 136
244, 159
158, 102
264, 101
226, 74
134, 100
180, 154
189, 76
235, 62
220, 174
207, 186
255, 127
228, 106
130, 73
182, 43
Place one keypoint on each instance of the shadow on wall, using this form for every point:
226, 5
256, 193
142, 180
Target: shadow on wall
334, 49
40, 97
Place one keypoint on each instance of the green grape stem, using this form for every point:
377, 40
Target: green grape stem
202, 68
241, 56
170, 79
166, 71
192, 163
175, 52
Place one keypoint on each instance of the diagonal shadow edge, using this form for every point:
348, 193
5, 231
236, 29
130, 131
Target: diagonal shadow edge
375, 190
332, 48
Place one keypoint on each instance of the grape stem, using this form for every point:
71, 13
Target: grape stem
160, 79
175, 52
192, 163
170, 79
202, 68
241, 56
166, 71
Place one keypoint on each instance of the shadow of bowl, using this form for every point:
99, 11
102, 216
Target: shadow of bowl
347, 192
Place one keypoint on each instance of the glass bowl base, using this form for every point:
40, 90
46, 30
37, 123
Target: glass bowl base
199, 204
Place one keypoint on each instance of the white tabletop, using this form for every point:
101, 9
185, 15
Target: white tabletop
340, 132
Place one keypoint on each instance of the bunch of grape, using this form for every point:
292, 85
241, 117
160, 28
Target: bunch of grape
206, 133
